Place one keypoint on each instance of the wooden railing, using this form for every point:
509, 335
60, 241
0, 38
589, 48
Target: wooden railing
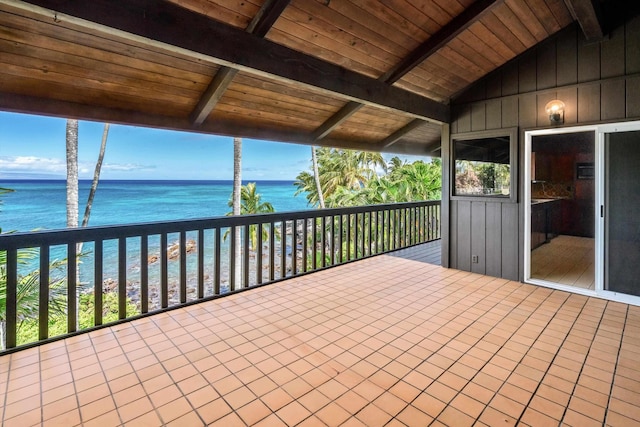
133, 270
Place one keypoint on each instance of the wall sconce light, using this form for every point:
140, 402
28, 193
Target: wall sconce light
555, 110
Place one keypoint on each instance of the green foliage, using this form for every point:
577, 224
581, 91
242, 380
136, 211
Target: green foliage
349, 178
251, 203
339, 169
28, 328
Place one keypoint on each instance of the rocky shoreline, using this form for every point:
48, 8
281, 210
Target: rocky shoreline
133, 288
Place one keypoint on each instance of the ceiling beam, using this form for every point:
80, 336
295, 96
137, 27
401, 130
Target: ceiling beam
397, 135
443, 36
349, 109
154, 21
259, 25
588, 13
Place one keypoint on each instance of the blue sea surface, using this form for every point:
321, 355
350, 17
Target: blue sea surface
41, 204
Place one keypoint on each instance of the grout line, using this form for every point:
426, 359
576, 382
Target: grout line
615, 368
556, 355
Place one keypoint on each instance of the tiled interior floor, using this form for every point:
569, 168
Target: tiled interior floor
384, 341
569, 260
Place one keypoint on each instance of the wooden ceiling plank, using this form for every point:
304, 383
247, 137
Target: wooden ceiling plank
513, 23
528, 18
447, 33
497, 27
397, 135
545, 16
75, 39
259, 26
588, 15
454, 28
118, 69
161, 24
330, 36
375, 25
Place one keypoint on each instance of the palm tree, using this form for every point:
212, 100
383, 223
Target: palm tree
338, 168
72, 173
96, 176
28, 291
237, 183
251, 203
316, 177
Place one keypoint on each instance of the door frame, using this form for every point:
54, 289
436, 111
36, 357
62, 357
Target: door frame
528, 135
599, 166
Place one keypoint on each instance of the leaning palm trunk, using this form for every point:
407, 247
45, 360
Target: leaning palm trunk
96, 176
316, 177
237, 187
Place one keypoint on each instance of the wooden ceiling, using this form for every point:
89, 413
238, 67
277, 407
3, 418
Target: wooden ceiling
366, 74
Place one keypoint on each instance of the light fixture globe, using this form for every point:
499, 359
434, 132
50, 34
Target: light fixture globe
555, 110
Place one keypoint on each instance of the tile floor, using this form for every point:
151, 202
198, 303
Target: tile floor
569, 260
384, 341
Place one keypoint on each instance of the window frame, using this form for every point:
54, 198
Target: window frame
512, 134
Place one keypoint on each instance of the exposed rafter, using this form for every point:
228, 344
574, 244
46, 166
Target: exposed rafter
166, 24
397, 135
589, 16
417, 56
452, 29
332, 122
259, 25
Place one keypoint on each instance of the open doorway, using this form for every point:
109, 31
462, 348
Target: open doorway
562, 197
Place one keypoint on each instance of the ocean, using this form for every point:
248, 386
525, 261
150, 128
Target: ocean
41, 204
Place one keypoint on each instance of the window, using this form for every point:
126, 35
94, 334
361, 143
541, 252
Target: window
484, 164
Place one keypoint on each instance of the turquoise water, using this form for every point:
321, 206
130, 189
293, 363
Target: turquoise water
41, 204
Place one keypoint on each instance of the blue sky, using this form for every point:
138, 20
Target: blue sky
33, 147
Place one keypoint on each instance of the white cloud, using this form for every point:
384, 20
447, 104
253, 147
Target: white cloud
32, 164
53, 166
128, 167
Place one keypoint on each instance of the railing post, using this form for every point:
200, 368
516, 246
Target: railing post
164, 275
43, 307
98, 279
183, 266
246, 254
12, 299
122, 278
259, 254
72, 274
200, 263
217, 254
272, 250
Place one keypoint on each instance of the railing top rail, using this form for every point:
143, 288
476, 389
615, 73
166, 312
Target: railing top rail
93, 233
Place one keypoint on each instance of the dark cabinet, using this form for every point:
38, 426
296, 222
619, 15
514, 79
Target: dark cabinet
546, 221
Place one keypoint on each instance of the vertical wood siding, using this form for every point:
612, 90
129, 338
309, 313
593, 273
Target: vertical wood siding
597, 81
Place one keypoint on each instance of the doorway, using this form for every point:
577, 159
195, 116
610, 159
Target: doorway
561, 208
582, 210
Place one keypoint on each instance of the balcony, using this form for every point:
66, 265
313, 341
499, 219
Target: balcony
385, 340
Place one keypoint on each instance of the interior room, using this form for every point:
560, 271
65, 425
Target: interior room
562, 209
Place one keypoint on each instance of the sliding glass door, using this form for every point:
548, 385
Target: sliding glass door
621, 211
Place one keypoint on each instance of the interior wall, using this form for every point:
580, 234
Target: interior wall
598, 82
